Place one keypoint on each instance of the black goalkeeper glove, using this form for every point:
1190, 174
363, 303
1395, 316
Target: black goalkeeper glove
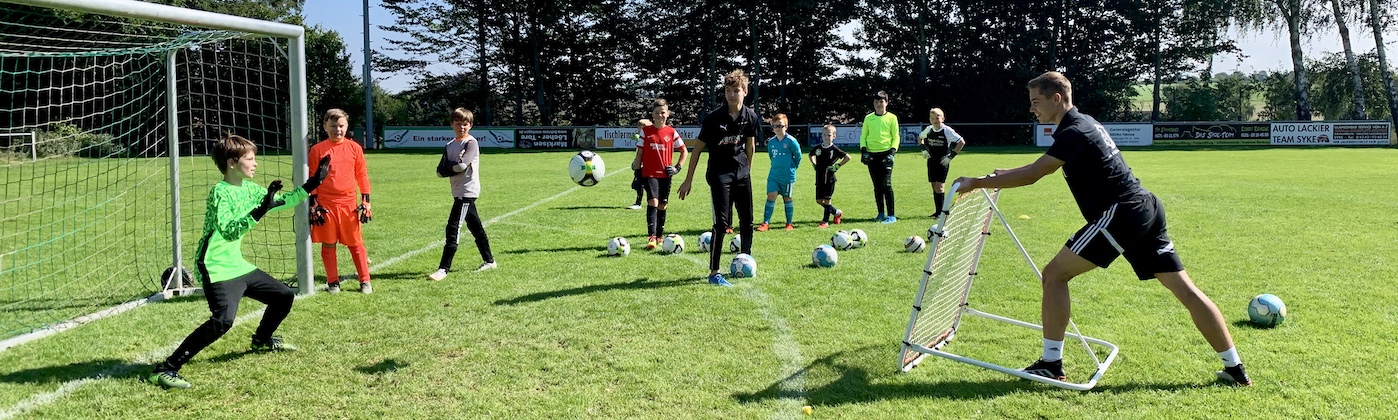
864, 156
317, 216
672, 170
366, 214
268, 201
946, 160
322, 171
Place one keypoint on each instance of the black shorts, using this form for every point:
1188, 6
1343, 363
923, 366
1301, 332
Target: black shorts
657, 188
1133, 229
935, 171
824, 191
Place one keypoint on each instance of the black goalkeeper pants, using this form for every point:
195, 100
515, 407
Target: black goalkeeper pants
463, 210
223, 300
881, 173
729, 192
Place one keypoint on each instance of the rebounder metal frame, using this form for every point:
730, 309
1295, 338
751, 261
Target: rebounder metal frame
913, 353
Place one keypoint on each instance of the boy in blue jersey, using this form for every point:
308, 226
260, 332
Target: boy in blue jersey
785, 153
1123, 219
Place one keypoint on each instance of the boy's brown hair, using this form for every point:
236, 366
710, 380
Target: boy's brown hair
1053, 82
659, 102
231, 146
779, 117
736, 78
463, 115
334, 114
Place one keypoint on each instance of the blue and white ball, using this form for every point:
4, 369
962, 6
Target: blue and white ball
859, 237
842, 241
586, 168
1267, 310
914, 244
618, 247
824, 256
673, 244
706, 241
742, 266
735, 244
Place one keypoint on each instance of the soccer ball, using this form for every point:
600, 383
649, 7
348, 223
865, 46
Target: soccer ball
914, 244
859, 237
618, 247
842, 241
743, 266
1267, 310
824, 256
587, 168
673, 244
735, 244
706, 241
935, 230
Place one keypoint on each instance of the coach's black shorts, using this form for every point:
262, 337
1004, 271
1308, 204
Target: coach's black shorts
1134, 229
824, 191
658, 188
935, 171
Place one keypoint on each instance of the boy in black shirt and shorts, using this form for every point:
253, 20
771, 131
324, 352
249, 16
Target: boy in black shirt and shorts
730, 133
826, 159
1123, 219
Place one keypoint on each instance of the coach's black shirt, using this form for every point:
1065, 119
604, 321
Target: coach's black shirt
726, 140
1093, 167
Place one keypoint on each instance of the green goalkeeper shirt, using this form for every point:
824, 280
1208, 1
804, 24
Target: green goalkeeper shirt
229, 217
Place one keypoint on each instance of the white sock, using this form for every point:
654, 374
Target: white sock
1230, 357
1053, 350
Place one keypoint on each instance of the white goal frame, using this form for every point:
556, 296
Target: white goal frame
935, 348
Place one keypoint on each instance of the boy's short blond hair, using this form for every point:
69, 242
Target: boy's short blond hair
1053, 82
463, 115
938, 111
334, 114
779, 117
736, 78
231, 146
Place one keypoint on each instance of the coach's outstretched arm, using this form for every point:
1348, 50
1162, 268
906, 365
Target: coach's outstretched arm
689, 175
1011, 178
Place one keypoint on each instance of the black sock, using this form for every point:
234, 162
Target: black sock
829, 211
650, 221
659, 222
939, 197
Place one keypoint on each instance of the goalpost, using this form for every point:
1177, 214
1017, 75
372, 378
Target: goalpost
109, 110
956, 242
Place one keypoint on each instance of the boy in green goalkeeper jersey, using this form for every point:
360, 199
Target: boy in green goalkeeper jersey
234, 207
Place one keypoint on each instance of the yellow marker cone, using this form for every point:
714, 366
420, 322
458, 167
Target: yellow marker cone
1024, 217
806, 409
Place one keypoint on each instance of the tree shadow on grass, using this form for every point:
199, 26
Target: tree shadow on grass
857, 385
638, 284
103, 368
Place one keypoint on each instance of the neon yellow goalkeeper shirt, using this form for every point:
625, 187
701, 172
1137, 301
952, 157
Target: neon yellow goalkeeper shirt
879, 133
227, 218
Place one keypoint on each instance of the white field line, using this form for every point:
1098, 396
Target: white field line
45, 398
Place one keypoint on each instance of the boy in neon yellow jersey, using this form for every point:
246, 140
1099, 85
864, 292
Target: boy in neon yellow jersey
234, 207
878, 143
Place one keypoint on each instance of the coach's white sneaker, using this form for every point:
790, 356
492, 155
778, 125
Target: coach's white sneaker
486, 266
366, 287
438, 275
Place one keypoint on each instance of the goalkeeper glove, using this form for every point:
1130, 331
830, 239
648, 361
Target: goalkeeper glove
864, 156
317, 213
926, 154
889, 158
268, 201
946, 160
834, 167
365, 214
322, 171
672, 170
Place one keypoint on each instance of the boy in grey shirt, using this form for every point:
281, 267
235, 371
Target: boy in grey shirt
461, 165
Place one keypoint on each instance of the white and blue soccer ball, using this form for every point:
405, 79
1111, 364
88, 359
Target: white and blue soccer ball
742, 266
824, 256
1267, 310
735, 244
859, 237
587, 168
673, 244
618, 247
914, 244
706, 241
842, 241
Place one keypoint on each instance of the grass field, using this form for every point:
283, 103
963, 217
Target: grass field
561, 331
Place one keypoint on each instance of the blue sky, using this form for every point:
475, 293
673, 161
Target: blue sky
1265, 51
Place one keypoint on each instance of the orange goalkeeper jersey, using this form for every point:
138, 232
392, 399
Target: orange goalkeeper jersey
347, 171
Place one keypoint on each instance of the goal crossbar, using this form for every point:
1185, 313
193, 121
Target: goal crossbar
966, 225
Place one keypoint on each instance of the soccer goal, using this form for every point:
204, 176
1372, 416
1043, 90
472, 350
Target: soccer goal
955, 245
107, 113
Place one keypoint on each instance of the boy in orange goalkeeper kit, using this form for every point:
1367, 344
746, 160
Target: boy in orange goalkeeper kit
336, 211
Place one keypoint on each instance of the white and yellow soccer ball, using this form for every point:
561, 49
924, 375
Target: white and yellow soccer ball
618, 247
706, 241
587, 168
859, 237
842, 241
673, 244
914, 244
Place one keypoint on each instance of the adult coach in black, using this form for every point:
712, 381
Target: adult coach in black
1123, 219
730, 134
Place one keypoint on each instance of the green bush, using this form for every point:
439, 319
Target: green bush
69, 140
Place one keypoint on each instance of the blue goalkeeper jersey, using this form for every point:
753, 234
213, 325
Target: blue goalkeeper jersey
786, 157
